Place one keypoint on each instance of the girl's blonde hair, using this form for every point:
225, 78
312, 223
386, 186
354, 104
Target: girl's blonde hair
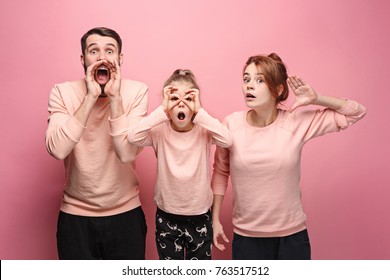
184, 75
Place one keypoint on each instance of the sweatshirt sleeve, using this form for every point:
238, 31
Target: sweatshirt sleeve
221, 168
221, 171
220, 134
135, 110
139, 134
323, 121
63, 131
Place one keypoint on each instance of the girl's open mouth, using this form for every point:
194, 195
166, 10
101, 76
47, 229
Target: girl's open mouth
181, 116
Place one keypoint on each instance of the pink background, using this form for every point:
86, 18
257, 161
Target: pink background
341, 48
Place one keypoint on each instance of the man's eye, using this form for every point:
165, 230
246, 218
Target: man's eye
110, 52
93, 51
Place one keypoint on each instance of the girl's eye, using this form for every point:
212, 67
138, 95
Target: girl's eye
189, 99
174, 98
246, 80
259, 81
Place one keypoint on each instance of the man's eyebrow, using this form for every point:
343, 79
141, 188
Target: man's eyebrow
94, 44
112, 45
90, 45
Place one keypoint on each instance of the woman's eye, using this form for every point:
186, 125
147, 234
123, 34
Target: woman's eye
259, 81
246, 80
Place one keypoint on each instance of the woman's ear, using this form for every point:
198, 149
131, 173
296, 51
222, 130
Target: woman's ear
280, 89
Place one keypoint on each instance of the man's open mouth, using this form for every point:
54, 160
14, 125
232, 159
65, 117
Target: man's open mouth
102, 75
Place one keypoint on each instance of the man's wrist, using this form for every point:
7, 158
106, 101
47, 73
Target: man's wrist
116, 98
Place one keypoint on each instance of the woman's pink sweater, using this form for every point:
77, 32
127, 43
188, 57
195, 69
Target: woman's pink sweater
265, 167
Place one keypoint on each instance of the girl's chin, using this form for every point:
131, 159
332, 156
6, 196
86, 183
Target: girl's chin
181, 126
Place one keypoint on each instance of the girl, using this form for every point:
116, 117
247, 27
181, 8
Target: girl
264, 161
181, 133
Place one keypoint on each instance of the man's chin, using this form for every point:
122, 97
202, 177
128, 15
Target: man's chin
102, 94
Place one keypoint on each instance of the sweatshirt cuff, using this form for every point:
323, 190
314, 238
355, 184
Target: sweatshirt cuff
219, 183
218, 188
118, 126
349, 108
160, 114
200, 115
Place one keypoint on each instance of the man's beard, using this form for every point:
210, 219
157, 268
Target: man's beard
102, 94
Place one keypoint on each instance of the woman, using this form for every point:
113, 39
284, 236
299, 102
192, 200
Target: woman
264, 161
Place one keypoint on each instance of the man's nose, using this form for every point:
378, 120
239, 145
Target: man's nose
102, 55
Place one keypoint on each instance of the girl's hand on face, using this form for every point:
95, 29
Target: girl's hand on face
192, 100
166, 92
170, 99
304, 94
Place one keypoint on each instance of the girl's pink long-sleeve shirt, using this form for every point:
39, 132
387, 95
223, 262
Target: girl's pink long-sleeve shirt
98, 159
264, 165
183, 160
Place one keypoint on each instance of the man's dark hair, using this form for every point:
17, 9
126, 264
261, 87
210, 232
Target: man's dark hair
102, 31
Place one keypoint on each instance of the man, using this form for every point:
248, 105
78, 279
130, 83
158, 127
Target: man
101, 215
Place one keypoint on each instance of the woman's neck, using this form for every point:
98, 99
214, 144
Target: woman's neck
261, 117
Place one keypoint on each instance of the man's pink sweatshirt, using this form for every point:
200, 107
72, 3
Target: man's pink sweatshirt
99, 161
